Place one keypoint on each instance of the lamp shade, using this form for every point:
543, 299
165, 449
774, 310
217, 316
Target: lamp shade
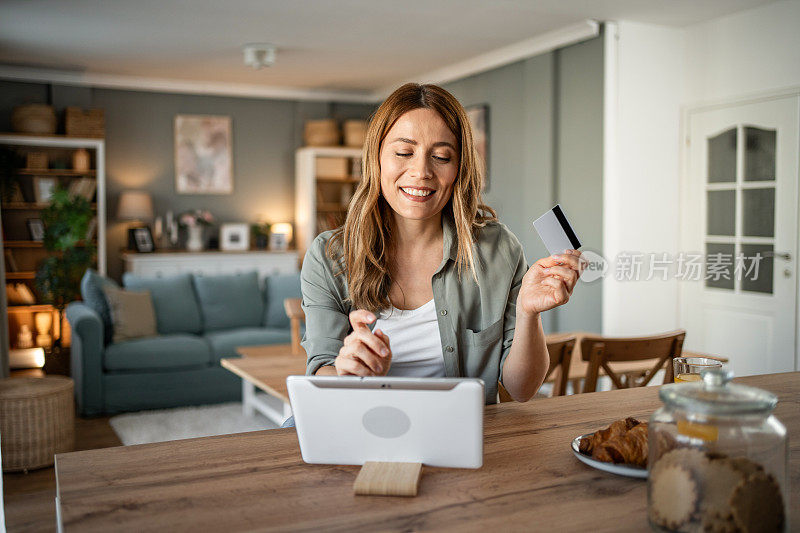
135, 205
283, 228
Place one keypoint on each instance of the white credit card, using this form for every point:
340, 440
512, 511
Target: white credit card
555, 231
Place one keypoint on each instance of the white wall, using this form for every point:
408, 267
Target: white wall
744, 53
658, 72
641, 184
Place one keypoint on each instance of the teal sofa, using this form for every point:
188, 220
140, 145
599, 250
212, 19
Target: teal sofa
200, 320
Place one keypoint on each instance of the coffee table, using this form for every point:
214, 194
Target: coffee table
265, 368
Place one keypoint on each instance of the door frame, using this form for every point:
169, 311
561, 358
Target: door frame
683, 185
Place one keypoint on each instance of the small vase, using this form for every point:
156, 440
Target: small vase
195, 241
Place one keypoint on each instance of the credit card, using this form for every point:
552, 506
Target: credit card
555, 231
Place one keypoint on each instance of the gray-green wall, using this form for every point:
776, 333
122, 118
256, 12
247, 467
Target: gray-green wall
545, 147
545, 116
140, 155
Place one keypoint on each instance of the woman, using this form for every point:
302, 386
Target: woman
421, 258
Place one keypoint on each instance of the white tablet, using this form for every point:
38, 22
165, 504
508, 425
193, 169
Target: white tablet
351, 420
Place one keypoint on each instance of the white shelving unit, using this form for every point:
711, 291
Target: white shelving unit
96, 145
28, 252
317, 197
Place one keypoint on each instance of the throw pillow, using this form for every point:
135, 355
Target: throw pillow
174, 300
132, 314
92, 285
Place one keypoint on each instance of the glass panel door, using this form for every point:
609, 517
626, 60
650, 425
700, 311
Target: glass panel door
740, 209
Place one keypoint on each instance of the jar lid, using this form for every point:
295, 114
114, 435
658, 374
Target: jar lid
717, 396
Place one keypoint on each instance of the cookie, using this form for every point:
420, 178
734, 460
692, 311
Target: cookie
745, 466
713, 524
720, 480
757, 504
673, 496
692, 459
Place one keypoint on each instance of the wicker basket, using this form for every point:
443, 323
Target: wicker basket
80, 123
36, 160
34, 119
37, 421
355, 133
321, 133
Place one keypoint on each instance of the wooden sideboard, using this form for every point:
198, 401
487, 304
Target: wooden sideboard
210, 262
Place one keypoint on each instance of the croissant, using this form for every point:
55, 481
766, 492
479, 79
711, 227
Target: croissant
616, 429
616, 444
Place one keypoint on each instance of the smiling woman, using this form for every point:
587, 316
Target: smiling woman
424, 259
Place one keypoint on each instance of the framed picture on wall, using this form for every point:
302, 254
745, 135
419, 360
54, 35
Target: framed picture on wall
203, 154
479, 119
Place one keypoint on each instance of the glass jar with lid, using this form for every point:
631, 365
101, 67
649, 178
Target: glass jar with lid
717, 458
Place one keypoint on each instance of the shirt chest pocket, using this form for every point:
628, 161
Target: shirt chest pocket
487, 336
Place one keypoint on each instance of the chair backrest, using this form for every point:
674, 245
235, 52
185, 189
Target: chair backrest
600, 352
294, 310
560, 351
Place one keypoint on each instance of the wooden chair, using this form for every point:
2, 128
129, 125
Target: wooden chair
294, 310
600, 352
560, 350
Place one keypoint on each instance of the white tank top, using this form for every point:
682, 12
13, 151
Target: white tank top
415, 342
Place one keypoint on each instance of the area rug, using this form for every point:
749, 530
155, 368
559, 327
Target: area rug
162, 425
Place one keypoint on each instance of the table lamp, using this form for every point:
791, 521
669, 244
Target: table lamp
136, 206
280, 235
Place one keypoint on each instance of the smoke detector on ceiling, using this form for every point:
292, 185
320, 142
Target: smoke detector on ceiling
259, 55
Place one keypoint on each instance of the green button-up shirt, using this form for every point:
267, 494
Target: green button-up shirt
476, 320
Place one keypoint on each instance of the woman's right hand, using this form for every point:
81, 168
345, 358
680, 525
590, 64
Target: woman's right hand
365, 353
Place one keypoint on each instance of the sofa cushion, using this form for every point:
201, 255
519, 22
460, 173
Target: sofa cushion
174, 300
276, 290
165, 352
132, 313
93, 295
229, 301
224, 343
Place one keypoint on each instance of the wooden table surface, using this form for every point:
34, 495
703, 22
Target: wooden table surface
257, 481
267, 367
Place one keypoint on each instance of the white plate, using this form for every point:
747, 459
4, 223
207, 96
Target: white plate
619, 469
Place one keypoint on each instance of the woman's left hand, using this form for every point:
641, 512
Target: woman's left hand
549, 282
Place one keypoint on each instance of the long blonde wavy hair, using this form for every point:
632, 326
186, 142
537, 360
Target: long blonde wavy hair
361, 246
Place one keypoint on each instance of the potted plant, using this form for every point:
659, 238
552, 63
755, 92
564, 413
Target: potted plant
66, 221
194, 221
260, 234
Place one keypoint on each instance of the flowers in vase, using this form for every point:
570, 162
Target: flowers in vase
196, 217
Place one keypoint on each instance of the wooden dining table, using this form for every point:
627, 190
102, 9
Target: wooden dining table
257, 481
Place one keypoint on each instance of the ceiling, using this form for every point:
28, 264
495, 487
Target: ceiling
356, 46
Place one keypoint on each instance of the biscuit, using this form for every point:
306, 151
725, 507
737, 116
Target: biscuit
757, 504
713, 524
745, 465
673, 496
693, 459
720, 480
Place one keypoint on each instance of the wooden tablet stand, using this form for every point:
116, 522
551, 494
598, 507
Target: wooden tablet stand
388, 479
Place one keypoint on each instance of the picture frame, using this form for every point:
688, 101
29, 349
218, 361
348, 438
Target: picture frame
234, 237
143, 239
203, 154
43, 188
36, 229
479, 119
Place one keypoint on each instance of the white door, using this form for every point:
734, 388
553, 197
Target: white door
739, 210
